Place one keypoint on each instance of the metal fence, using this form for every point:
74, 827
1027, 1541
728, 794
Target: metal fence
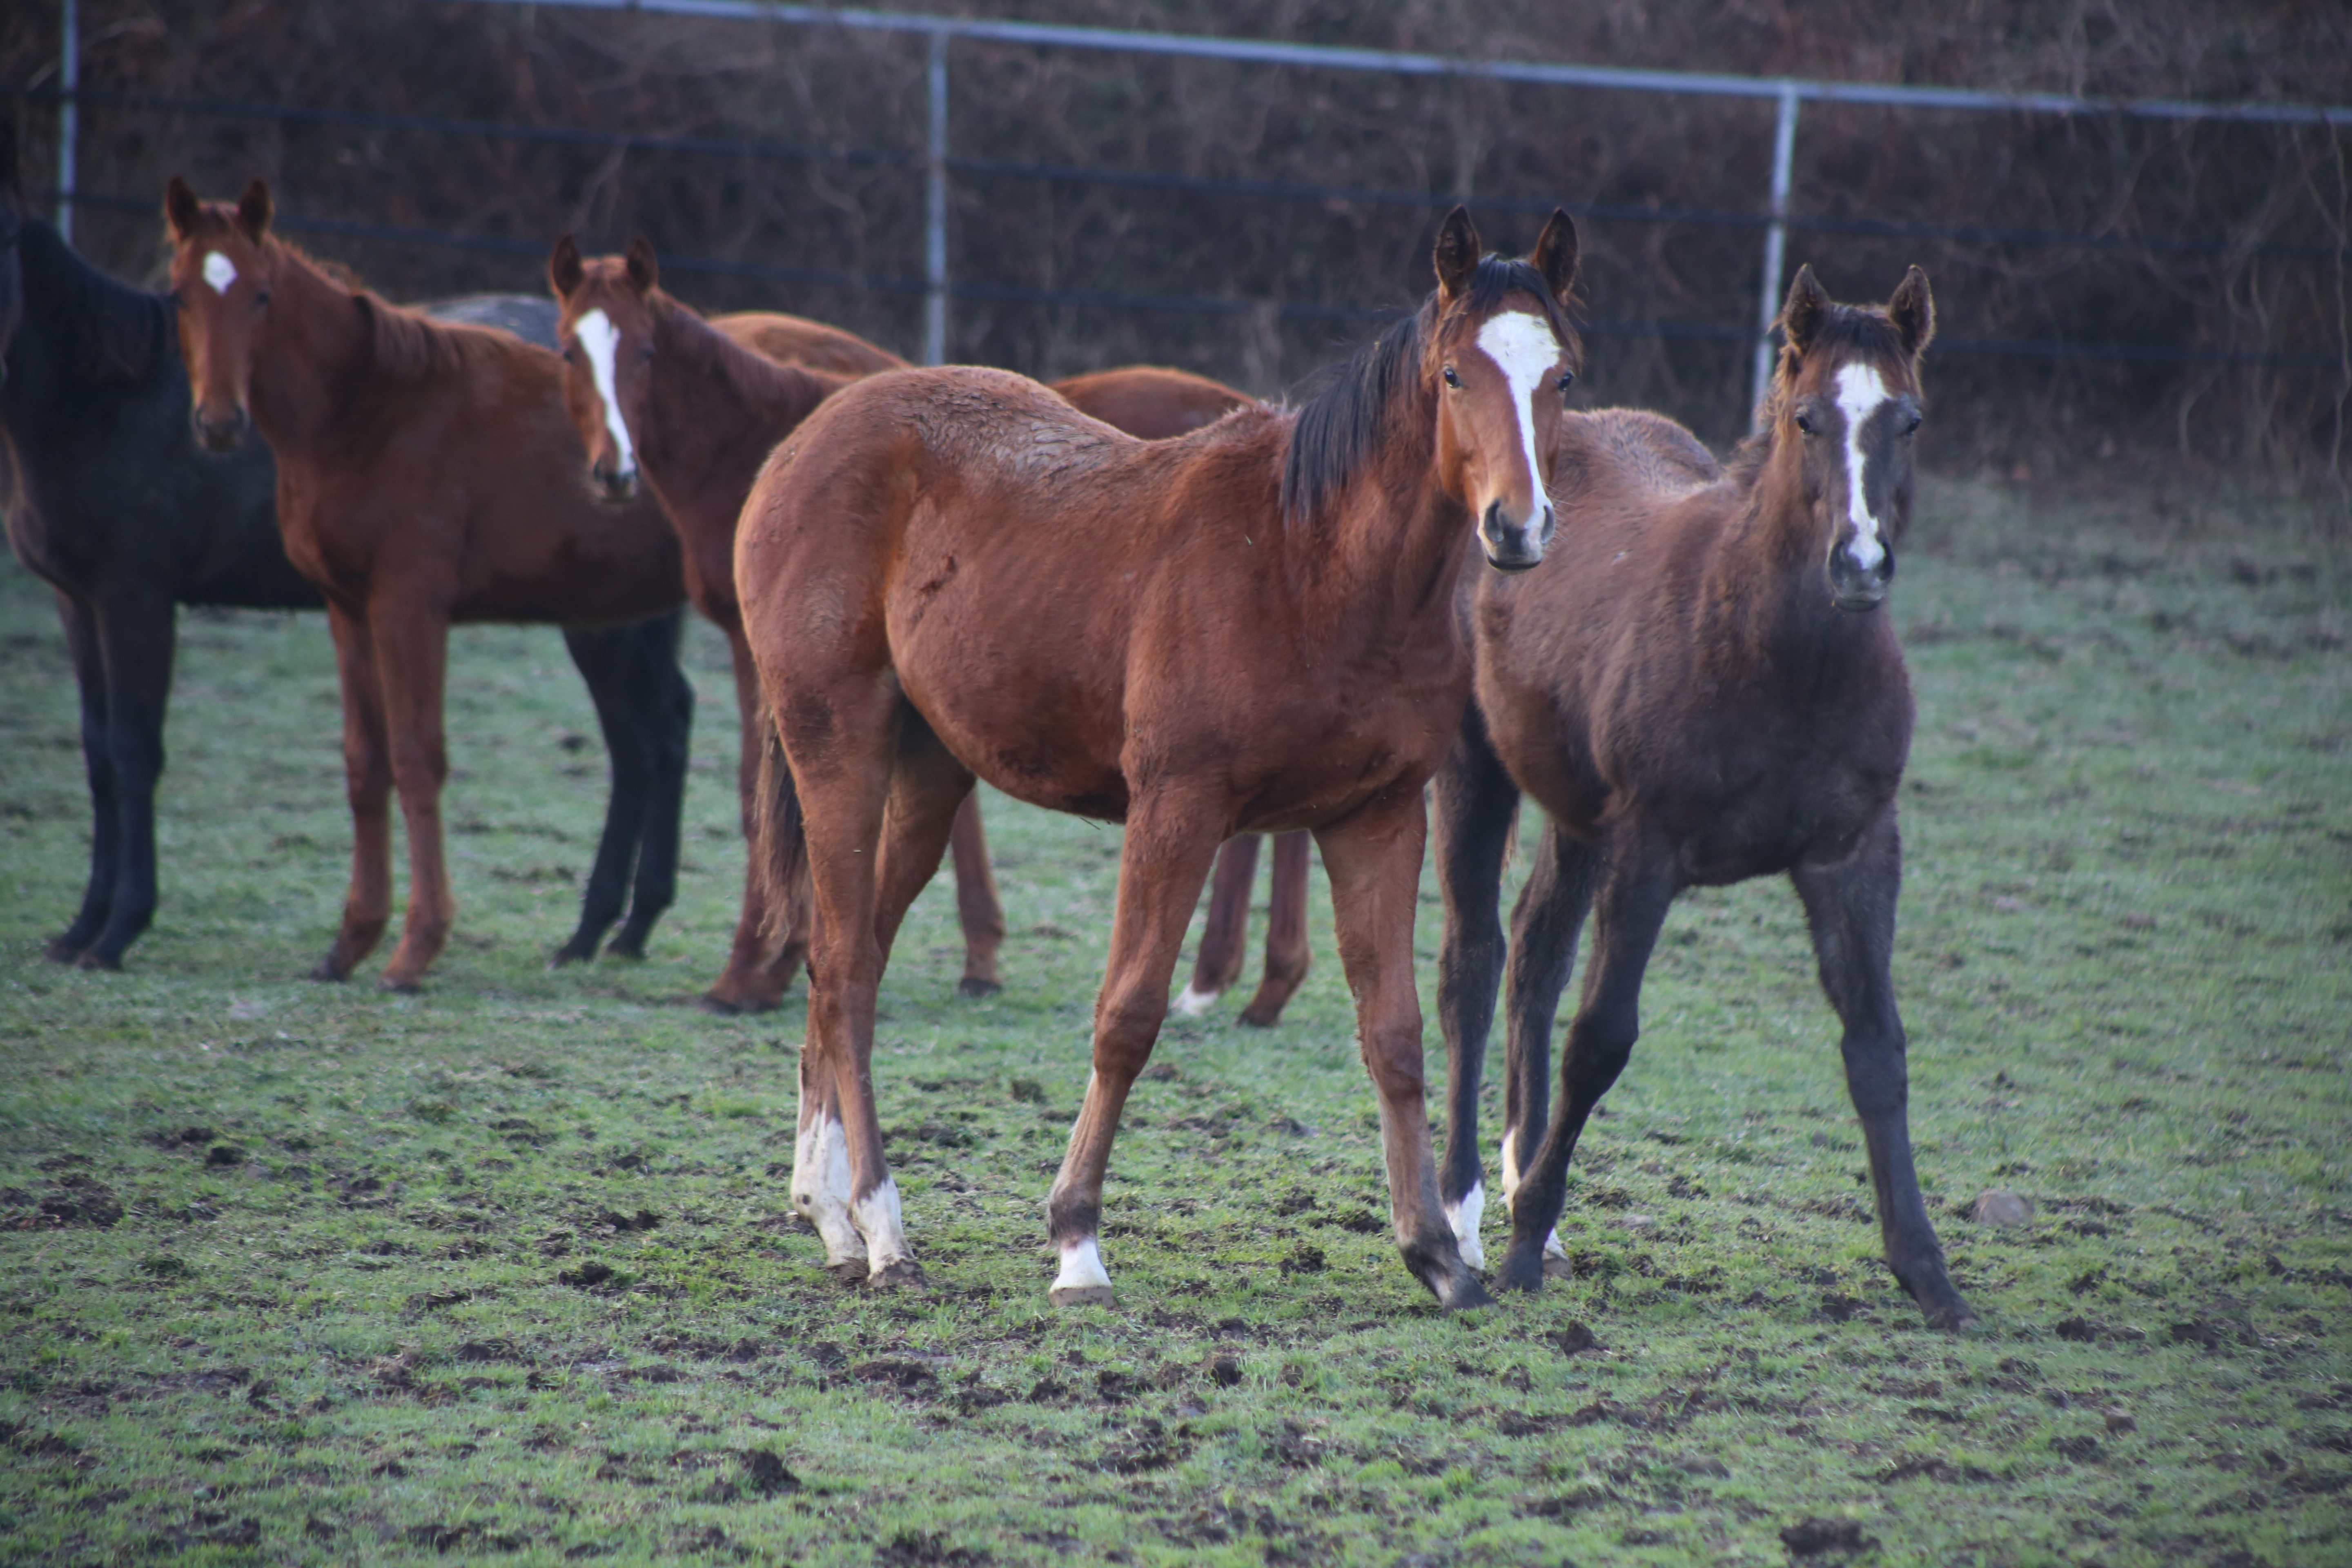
1779, 213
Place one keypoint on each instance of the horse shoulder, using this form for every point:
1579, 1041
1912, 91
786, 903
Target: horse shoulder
799, 340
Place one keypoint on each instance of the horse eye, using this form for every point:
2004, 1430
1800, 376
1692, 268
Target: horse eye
1805, 422
260, 298
1451, 378
1567, 379
1911, 425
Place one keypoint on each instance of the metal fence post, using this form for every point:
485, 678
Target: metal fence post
68, 114
935, 210
1775, 242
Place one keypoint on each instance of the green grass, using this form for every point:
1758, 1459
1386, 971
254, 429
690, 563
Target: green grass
506, 1272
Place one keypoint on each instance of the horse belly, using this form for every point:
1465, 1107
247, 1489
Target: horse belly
1018, 695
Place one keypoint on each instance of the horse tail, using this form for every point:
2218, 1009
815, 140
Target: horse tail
779, 846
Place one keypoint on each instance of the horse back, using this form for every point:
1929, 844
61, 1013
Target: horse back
796, 340
453, 476
1151, 401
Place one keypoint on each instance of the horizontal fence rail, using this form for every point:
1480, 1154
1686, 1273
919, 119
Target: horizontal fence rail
1780, 216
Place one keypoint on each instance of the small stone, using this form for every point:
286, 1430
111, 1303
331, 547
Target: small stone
1999, 1205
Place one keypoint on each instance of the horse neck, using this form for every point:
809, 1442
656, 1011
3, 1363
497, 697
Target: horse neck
1388, 551
718, 408
1764, 589
319, 347
79, 327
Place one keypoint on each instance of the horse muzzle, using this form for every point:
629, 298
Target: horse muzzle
615, 485
1516, 547
1856, 587
220, 433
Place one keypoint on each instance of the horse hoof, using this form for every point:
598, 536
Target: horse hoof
398, 988
898, 1274
1251, 1017
62, 950
1080, 1296
1555, 1266
94, 958
1521, 1272
328, 972
974, 986
621, 947
570, 952
729, 1007
1463, 1293
849, 1272
1954, 1318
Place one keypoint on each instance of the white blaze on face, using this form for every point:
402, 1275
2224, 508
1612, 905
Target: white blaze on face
219, 271
1523, 348
1860, 393
1462, 1219
601, 341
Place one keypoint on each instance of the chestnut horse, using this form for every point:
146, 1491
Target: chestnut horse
1249, 628
425, 474
1701, 689
694, 406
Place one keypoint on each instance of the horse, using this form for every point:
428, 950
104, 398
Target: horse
423, 478
691, 408
951, 571
119, 513
1699, 688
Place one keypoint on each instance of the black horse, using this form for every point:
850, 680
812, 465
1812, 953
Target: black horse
116, 507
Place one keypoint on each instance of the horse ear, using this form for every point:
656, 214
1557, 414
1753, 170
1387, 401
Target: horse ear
1912, 311
563, 270
1457, 252
1555, 255
645, 272
181, 207
253, 211
1807, 308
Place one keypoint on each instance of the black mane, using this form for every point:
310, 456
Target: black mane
1342, 423
108, 331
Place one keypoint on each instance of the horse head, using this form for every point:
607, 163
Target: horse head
223, 263
1504, 355
606, 330
1846, 403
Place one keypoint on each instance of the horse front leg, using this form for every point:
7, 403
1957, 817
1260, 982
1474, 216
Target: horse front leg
1170, 842
1637, 888
1373, 859
1475, 804
979, 911
1849, 906
80, 623
367, 782
762, 959
1222, 934
601, 656
1544, 929
1285, 932
411, 647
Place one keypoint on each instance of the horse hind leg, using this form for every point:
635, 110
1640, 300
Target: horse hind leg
1636, 888
667, 721
771, 933
367, 782
1285, 932
412, 654
1219, 963
97, 761
601, 654
1850, 908
1165, 857
1544, 929
978, 908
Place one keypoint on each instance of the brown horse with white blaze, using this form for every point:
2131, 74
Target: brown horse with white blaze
1701, 687
425, 474
1249, 628
692, 407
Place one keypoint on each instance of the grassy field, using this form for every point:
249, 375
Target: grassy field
506, 1270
